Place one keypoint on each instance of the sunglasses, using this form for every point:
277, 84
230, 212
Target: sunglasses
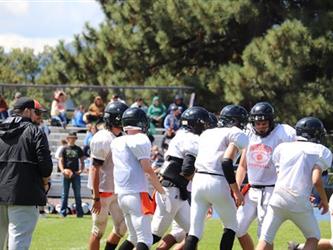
38, 112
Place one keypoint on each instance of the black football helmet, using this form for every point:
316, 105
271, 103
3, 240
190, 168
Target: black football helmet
136, 117
113, 113
311, 128
233, 115
195, 119
212, 120
262, 111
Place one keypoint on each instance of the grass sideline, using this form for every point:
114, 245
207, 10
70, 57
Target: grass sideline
71, 233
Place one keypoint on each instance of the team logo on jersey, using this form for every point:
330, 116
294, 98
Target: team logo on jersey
260, 155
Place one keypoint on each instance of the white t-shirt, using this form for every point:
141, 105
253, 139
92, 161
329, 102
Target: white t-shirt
260, 168
127, 151
100, 149
213, 144
184, 142
295, 162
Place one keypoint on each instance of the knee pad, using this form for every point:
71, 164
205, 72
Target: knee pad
227, 240
156, 238
141, 246
191, 242
98, 232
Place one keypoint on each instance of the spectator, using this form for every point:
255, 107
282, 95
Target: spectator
71, 165
58, 153
3, 108
179, 101
77, 120
44, 127
116, 98
95, 111
172, 120
25, 166
139, 103
17, 96
58, 109
92, 129
156, 157
156, 112
169, 134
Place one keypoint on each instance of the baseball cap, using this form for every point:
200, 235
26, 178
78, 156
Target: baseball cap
72, 135
26, 102
173, 107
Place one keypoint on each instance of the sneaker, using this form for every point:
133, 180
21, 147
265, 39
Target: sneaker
292, 245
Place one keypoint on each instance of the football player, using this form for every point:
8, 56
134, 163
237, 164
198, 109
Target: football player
214, 179
177, 171
299, 165
100, 180
256, 161
131, 157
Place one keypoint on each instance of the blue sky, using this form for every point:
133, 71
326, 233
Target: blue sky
35, 23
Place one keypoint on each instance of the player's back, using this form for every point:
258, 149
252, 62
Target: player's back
213, 144
295, 162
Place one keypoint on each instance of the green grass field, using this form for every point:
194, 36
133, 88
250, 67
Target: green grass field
55, 232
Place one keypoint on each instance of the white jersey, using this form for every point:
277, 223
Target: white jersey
100, 149
212, 146
127, 151
260, 168
184, 142
295, 162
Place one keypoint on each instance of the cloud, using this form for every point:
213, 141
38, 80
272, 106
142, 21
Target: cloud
11, 41
36, 23
16, 8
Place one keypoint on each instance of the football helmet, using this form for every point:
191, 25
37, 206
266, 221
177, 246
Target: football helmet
311, 128
233, 115
135, 117
262, 111
113, 113
195, 119
212, 120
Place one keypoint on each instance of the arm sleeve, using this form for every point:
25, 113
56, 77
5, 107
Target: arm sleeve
228, 170
99, 149
166, 123
43, 153
276, 157
140, 146
163, 110
239, 138
149, 112
188, 168
325, 159
191, 145
81, 154
289, 134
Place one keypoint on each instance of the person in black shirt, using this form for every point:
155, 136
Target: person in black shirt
71, 165
25, 167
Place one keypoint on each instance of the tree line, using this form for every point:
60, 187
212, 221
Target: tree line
230, 51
